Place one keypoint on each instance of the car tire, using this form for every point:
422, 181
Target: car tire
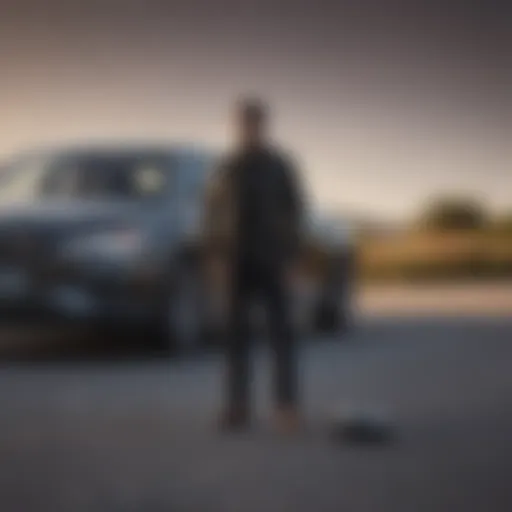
330, 320
181, 328
333, 315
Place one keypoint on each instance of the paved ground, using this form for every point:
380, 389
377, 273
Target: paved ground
464, 299
138, 436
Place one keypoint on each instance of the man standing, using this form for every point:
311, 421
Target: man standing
255, 219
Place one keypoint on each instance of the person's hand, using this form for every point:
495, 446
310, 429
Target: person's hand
216, 269
292, 273
219, 276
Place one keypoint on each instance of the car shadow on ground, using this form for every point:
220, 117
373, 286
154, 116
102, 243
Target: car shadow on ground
55, 344
41, 344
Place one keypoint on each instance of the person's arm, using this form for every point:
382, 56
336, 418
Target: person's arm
294, 203
216, 208
217, 225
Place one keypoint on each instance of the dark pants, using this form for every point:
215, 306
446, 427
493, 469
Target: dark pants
266, 283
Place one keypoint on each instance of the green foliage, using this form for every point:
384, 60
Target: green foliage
455, 238
503, 224
470, 268
454, 214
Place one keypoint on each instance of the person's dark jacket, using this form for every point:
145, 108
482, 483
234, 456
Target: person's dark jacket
255, 208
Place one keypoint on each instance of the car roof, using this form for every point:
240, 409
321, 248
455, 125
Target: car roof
121, 149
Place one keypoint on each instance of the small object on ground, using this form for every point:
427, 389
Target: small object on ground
288, 421
362, 428
233, 420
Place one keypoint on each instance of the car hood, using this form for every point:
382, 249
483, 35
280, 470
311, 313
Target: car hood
69, 215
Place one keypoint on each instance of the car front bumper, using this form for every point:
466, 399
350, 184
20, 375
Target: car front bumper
81, 294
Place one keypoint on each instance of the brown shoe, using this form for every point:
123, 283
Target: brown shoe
234, 420
287, 420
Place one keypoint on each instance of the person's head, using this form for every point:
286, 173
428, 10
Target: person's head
251, 122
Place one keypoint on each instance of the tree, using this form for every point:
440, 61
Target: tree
453, 214
503, 223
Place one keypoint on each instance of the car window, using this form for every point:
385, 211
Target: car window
109, 178
85, 176
20, 180
149, 180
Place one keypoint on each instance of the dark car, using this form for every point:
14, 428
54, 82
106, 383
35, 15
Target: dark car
111, 237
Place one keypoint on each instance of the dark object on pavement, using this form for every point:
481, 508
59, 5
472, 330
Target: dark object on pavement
234, 420
363, 429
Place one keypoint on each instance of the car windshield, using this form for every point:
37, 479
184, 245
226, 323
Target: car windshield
136, 177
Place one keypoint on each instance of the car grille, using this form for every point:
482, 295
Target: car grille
23, 249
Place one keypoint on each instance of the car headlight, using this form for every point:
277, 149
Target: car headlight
120, 244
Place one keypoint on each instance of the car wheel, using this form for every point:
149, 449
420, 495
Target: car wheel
333, 315
181, 329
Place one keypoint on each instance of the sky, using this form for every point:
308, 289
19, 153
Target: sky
384, 103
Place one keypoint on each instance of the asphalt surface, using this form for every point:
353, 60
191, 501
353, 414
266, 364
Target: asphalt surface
139, 434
